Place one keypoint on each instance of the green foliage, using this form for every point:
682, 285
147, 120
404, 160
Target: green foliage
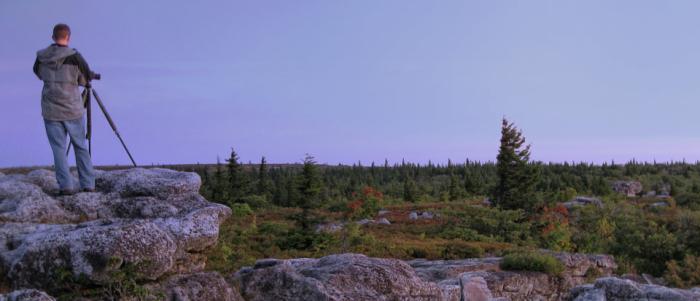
121, 285
516, 176
685, 273
237, 181
532, 261
642, 238
509, 226
461, 250
240, 210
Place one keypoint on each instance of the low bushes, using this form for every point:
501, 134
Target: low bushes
532, 261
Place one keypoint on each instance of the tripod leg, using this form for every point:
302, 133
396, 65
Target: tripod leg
88, 106
111, 124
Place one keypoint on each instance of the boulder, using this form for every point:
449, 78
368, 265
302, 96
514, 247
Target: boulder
612, 288
474, 288
336, 277
329, 227
357, 277
156, 182
151, 222
26, 295
208, 286
365, 221
516, 285
420, 215
628, 188
583, 201
24, 202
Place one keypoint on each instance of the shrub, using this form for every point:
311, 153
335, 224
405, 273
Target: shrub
366, 205
240, 209
461, 250
532, 261
685, 273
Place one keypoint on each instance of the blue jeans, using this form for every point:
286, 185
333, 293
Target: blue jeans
56, 131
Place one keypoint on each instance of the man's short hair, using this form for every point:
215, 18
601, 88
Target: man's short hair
61, 31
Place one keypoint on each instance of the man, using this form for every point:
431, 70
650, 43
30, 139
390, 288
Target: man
63, 69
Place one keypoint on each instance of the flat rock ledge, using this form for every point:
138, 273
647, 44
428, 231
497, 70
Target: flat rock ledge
616, 289
344, 277
150, 222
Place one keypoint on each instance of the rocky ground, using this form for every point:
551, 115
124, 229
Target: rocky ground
142, 234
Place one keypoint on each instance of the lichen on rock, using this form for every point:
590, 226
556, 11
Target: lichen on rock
151, 220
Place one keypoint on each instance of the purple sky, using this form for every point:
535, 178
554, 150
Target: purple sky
366, 80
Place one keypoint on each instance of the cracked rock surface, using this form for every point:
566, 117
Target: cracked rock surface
151, 220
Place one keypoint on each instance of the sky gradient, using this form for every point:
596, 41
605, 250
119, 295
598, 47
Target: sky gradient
366, 80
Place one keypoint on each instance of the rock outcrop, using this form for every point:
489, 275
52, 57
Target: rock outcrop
358, 277
616, 289
516, 285
628, 188
335, 277
151, 223
26, 295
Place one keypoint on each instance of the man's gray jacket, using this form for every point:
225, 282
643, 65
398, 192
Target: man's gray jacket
62, 69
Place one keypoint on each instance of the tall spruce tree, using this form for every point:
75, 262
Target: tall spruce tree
237, 182
263, 182
217, 192
516, 176
310, 186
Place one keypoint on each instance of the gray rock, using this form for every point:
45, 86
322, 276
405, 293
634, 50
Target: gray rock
43, 178
659, 204
474, 288
383, 221
383, 212
592, 294
24, 202
628, 188
583, 201
150, 219
26, 295
612, 288
516, 285
156, 182
365, 221
619, 288
336, 277
421, 215
329, 228
209, 286
427, 215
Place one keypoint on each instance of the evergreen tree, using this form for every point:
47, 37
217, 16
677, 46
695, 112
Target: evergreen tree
217, 191
309, 184
237, 182
410, 191
516, 176
263, 182
310, 187
455, 188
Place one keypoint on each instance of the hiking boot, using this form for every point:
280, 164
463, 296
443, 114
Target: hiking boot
64, 192
88, 190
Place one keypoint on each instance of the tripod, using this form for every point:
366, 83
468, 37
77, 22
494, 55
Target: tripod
87, 92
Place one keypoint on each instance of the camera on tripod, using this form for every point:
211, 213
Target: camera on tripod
87, 96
